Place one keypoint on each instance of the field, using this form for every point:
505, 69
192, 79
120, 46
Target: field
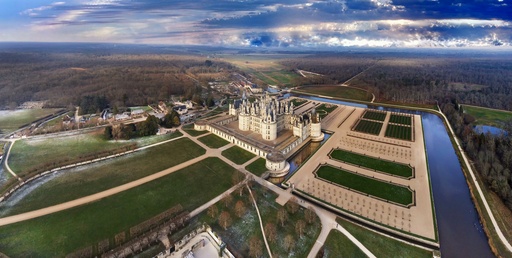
10, 121
373, 187
257, 167
104, 175
380, 165
486, 116
213, 141
337, 92
399, 132
382, 246
399, 119
238, 155
27, 154
372, 115
190, 130
338, 245
60, 233
365, 126
323, 110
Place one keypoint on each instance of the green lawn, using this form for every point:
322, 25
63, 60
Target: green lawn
190, 130
11, 120
382, 246
491, 117
385, 166
373, 115
374, 187
338, 245
28, 154
213, 141
238, 155
323, 110
370, 127
399, 119
104, 175
399, 132
297, 102
60, 233
257, 167
337, 92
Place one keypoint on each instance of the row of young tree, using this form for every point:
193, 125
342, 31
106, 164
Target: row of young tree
491, 154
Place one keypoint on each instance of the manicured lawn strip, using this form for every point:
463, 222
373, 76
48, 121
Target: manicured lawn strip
190, 130
398, 119
369, 127
28, 154
238, 155
374, 115
377, 188
399, 132
213, 141
491, 117
105, 175
372, 163
382, 246
11, 120
60, 233
257, 167
337, 92
338, 245
297, 102
323, 110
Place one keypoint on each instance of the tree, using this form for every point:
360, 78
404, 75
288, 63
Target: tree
239, 208
293, 206
288, 242
108, 133
271, 232
213, 211
227, 200
224, 220
309, 214
255, 247
282, 216
300, 227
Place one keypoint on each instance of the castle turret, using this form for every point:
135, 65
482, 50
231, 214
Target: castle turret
316, 128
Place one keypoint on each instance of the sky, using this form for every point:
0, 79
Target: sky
262, 23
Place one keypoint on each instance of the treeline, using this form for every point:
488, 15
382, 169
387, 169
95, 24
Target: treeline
422, 78
63, 79
491, 154
129, 131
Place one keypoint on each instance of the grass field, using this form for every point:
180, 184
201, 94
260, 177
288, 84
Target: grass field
11, 120
398, 119
485, 116
101, 176
382, 246
297, 102
27, 154
213, 141
337, 92
372, 163
374, 187
60, 233
190, 130
399, 132
238, 155
370, 127
372, 115
257, 167
324, 109
338, 245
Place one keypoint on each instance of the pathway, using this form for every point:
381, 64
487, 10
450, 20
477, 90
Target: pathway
6, 158
261, 222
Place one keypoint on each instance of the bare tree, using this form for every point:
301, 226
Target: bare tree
213, 211
282, 216
309, 215
225, 220
227, 200
300, 227
239, 208
255, 247
293, 206
271, 232
288, 242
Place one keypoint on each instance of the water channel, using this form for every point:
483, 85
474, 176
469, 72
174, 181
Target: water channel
460, 231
